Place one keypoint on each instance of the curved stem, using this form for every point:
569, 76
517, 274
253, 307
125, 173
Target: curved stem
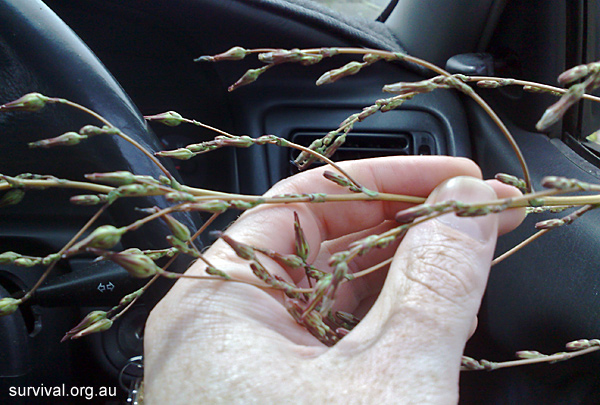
288, 143
511, 140
324, 159
120, 134
472, 94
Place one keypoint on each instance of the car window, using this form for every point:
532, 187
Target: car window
369, 9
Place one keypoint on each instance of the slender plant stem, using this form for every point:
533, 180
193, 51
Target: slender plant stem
546, 359
517, 82
135, 225
206, 126
239, 280
324, 159
518, 247
59, 183
120, 134
48, 270
439, 71
511, 140
207, 195
102, 189
166, 266
288, 143
372, 269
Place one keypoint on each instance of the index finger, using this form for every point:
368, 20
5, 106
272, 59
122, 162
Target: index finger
272, 226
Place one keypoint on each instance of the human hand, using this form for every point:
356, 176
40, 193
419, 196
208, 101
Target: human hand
227, 342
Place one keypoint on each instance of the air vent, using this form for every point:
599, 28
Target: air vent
364, 145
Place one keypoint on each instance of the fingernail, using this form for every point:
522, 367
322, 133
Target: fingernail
468, 190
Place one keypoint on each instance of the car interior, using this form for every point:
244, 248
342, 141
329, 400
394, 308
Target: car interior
129, 58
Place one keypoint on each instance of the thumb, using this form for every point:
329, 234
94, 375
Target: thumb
434, 287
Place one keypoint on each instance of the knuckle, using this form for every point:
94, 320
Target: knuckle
446, 267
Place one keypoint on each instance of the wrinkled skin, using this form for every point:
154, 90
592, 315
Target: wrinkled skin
227, 342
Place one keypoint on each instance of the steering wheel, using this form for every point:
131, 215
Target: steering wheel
40, 53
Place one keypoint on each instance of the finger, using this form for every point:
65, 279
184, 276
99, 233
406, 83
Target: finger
408, 175
509, 219
432, 292
352, 295
473, 326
